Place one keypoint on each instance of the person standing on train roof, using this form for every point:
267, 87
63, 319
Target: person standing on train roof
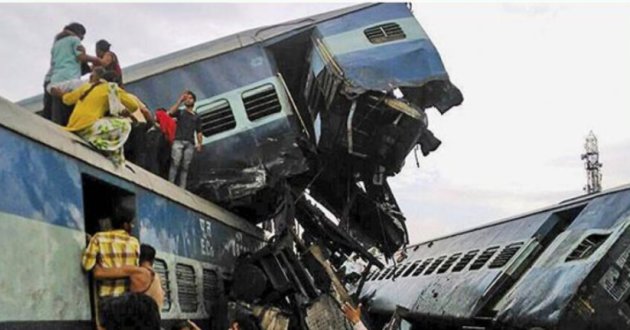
183, 147
67, 56
113, 248
142, 279
109, 60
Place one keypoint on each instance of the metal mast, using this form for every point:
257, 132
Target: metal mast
592, 165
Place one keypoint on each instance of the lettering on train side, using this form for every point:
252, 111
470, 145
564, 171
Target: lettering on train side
205, 239
238, 247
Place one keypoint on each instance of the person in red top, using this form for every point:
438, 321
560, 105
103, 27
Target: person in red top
167, 124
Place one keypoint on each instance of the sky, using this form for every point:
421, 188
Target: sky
536, 79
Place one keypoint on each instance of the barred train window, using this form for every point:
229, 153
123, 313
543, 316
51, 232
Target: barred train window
506, 255
186, 288
261, 102
587, 246
465, 260
422, 266
216, 117
161, 269
435, 265
384, 33
449, 262
413, 266
211, 288
483, 258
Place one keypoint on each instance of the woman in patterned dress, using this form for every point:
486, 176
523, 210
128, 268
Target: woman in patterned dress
91, 118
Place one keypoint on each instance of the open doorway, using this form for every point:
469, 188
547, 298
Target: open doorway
101, 202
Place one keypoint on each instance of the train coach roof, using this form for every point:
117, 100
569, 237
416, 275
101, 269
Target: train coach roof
213, 48
34, 127
565, 204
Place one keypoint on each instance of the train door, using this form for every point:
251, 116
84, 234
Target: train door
101, 200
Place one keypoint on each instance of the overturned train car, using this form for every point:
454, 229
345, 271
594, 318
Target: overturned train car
332, 103
563, 267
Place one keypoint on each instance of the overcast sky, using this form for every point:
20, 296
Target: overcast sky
535, 78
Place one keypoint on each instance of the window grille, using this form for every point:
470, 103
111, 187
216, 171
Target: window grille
384, 33
586, 248
435, 265
212, 288
421, 268
160, 268
484, 257
186, 288
261, 102
506, 254
216, 118
465, 260
449, 262
409, 270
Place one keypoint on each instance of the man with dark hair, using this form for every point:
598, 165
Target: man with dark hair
131, 311
142, 279
187, 124
113, 248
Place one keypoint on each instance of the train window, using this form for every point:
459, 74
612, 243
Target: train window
421, 268
212, 289
385, 272
384, 33
484, 257
161, 270
587, 246
449, 262
435, 265
411, 268
506, 255
400, 270
463, 262
216, 117
391, 273
186, 288
370, 275
261, 102
373, 275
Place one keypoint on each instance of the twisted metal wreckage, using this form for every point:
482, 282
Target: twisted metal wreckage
342, 105
305, 116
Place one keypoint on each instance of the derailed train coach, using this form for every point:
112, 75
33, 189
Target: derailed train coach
562, 267
328, 105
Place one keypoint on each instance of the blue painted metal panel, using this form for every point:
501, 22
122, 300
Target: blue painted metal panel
39, 183
205, 78
44, 185
171, 227
364, 17
402, 64
604, 212
410, 62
